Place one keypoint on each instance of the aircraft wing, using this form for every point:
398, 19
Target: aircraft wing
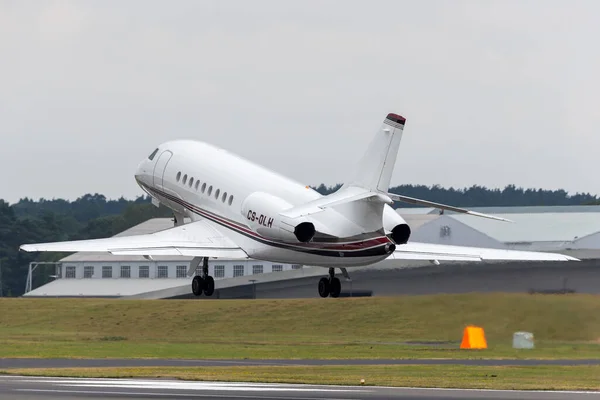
196, 239
437, 252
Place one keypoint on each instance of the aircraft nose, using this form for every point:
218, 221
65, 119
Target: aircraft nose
142, 171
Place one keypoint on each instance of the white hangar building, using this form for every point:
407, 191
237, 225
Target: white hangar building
573, 230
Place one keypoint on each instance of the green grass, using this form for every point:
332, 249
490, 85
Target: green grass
451, 376
565, 326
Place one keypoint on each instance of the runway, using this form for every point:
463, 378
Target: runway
30, 388
14, 363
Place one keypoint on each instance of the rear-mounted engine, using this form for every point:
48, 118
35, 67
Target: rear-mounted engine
262, 212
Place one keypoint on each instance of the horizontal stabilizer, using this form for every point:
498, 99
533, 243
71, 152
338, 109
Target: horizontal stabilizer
412, 200
196, 239
342, 196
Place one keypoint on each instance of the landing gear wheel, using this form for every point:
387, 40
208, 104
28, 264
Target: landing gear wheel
198, 285
335, 287
209, 285
324, 287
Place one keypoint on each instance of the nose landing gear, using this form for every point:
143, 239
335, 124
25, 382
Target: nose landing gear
330, 286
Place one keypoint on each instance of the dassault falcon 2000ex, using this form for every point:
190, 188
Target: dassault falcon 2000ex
241, 210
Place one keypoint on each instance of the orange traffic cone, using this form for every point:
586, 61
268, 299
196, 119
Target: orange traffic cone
473, 338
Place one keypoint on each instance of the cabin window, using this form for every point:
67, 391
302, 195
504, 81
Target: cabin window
203, 187
197, 184
209, 190
217, 194
178, 176
191, 181
151, 156
224, 197
184, 179
230, 199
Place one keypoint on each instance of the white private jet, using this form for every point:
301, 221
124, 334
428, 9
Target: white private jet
241, 210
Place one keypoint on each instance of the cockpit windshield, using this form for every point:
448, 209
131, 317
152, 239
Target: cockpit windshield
151, 156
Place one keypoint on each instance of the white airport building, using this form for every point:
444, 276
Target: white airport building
572, 230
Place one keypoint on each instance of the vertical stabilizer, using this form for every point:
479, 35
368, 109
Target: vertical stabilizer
374, 171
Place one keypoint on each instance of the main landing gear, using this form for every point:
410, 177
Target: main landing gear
203, 283
331, 286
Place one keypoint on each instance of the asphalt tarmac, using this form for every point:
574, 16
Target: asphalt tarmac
14, 363
30, 388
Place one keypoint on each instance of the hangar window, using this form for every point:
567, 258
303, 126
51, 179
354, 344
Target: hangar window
203, 187
125, 271
257, 269
197, 184
151, 156
238, 270
144, 271
178, 176
219, 271
224, 197
70, 272
191, 181
277, 268
163, 271
88, 271
107, 272
209, 190
184, 179
217, 194
296, 266
181, 271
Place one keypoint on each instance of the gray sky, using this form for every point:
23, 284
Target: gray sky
494, 92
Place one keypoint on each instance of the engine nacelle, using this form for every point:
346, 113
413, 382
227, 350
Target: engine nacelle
394, 223
262, 212
400, 233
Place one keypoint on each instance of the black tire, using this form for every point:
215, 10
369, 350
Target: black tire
335, 287
324, 287
209, 286
197, 285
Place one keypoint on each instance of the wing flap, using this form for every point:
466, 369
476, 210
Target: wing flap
196, 239
437, 252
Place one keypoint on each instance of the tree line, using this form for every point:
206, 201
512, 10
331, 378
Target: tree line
94, 216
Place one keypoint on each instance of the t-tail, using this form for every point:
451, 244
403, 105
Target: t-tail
369, 185
374, 170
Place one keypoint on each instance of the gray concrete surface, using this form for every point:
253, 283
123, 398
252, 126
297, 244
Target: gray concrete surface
579, 277
14, 363
28, 388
